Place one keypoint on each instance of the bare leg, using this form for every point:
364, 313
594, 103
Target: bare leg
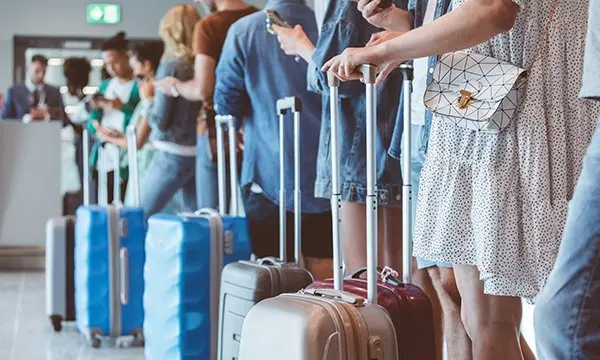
492, 322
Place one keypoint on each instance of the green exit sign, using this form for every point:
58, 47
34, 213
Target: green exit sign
106, 14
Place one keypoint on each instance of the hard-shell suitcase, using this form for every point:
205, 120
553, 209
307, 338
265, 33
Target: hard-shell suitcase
408, 306
109, 260
245, 283
185, 255
60, 260
322, 323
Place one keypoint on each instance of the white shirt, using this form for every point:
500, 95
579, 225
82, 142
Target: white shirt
41, 101
421, 68
113, 119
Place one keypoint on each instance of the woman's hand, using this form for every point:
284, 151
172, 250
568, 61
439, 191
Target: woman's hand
165, 85
345, 66
111, 136
294, 41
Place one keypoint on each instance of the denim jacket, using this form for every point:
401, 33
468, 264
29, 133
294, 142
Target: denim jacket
417, 9
174, 119
252, 74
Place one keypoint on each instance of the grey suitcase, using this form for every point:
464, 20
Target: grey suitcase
323, 324
245, 283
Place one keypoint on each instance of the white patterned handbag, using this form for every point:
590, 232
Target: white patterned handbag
475, 91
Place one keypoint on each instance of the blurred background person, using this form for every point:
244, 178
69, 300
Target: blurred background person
209, 37
173, 119
144, 60
112, 109
34, 100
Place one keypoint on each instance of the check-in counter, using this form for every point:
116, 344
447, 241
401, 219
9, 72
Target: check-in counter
30, 189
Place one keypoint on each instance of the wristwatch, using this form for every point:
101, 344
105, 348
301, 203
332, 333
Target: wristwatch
174, 91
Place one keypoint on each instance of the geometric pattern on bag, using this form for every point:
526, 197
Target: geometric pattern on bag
475, 91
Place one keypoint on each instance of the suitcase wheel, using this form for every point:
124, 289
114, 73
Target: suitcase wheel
56, 321
138, 337
94, 338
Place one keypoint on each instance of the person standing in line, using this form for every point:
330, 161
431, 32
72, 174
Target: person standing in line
112, 108
209, 37
567, 313
248, 86
173, 119
494, 204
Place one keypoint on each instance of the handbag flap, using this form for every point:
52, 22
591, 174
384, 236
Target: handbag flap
489, 80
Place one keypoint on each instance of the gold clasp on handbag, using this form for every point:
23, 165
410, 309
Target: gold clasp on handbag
465, 99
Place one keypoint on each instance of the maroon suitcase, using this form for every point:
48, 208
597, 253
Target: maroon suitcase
409, 308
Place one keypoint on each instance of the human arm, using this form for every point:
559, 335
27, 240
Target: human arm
159, 114
8, 110
391, 18
474, 22
230, 96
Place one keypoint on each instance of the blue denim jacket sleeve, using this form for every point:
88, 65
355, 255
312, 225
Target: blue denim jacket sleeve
230, 96
159, 116
343, 27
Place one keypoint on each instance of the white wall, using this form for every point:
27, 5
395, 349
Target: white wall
67, 17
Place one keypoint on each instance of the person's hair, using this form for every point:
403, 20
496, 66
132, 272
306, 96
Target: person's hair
177, 30
77, 71
118, 42
39, 58
149, 51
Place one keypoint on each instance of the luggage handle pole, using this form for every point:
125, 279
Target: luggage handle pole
283, 106
86, 166
117, 175
369, 74
336, 196
134, 176
222, 192
407, 216
233, 167
102, 177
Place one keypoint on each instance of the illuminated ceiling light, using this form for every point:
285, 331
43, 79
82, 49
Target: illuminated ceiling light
55, 62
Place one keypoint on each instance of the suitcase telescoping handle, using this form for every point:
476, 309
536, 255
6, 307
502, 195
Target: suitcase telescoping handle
369, 74
407, 220
294, 105
227, 121
336, 192
132, 160
86, 166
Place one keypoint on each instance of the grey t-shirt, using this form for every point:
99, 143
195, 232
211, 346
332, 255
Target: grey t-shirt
590, 88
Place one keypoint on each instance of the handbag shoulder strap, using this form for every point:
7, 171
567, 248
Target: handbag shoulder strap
545, 35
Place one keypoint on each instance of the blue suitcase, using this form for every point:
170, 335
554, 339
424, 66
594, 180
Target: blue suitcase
109, 261
185, 255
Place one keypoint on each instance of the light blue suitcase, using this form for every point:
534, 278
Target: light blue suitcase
109, 261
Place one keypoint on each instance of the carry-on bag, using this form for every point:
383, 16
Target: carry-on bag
109, 260
325, 323
407, 304
185, 255
245, 283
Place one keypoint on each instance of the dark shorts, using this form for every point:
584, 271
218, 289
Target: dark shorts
263, 221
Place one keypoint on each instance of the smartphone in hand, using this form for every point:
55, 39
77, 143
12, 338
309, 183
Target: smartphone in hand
273, 18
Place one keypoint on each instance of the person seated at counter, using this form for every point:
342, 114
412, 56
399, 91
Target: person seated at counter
34, 100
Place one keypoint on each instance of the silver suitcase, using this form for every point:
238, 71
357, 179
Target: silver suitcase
323, 324
245, 283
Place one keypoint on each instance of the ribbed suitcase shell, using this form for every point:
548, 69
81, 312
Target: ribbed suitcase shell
244, 284
308, 327
178, 273
410, 310
94, 292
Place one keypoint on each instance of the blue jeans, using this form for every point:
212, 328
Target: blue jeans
167, 174
419, 143
567, 314
207, 186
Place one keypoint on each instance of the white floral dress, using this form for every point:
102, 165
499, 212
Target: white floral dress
499, 201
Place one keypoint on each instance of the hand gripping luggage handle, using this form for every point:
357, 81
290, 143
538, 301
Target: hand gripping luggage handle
336, 192
283, 106
124, 281
369, 74
132, 159
220, 122
407, 220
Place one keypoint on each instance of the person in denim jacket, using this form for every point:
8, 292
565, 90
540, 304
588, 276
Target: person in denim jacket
342, 27
173, 120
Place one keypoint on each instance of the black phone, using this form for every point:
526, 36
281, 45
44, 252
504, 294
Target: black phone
273, 18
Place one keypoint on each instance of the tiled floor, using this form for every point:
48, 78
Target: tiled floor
26, 333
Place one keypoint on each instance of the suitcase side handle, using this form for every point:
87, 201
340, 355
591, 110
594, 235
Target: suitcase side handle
124, 284
336, 294
387, 275
270, 261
